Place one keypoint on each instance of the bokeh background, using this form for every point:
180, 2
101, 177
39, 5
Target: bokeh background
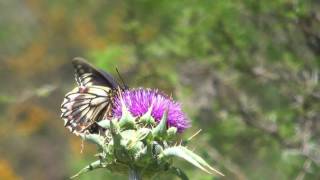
246, 72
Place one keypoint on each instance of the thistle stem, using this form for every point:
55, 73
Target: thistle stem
134, 174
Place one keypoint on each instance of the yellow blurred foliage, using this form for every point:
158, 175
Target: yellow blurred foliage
28, 117
85, 33
6, 171
30, 61
35, 5
148, 32
113, 26
57, 18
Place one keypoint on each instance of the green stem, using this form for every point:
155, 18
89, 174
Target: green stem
134, 174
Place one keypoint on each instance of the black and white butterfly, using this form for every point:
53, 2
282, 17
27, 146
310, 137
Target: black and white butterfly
91, 101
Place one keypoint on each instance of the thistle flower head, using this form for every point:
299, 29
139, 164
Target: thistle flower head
139, 101
139, 137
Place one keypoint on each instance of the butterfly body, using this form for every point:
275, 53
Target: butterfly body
91, 101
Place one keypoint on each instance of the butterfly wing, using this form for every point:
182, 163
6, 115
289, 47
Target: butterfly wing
91, 101
83, 106
86, 75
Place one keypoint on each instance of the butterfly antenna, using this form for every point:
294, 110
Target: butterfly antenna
124, 85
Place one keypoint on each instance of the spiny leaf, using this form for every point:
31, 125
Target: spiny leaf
95, 165
184, 153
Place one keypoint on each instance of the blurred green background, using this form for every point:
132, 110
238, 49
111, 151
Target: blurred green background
245, 71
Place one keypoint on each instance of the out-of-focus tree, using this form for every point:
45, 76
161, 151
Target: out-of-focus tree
247, 73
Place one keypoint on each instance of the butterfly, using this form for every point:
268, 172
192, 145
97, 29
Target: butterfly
91, 101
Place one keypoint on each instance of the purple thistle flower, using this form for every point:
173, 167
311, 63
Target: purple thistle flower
139, 100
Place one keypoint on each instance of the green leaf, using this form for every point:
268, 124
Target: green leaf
95, 165
186, 154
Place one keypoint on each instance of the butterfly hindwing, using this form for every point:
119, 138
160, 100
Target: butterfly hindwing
85, 105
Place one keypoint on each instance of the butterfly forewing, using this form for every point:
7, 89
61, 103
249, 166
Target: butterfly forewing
87, 75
